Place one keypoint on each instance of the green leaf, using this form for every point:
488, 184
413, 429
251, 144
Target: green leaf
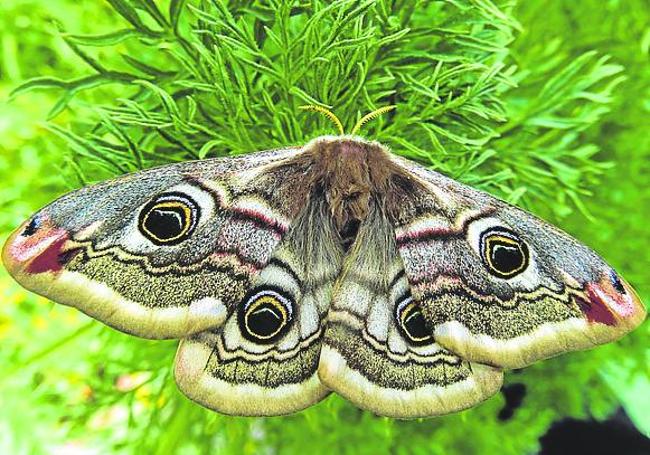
128, 12
108, 39
516, 99
175, 9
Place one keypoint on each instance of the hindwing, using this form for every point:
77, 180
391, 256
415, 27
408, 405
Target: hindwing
378, 351
264, 359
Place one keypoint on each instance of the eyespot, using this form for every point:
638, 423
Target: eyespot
169, 219
265, 316
503, 252
410, 322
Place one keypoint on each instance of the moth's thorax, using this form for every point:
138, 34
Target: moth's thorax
350, 171
351, 151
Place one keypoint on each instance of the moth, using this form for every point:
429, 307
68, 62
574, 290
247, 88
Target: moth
333, 266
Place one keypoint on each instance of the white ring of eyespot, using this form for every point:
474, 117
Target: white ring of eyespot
171, 200
528, 279
286, 304
401, 305
132, 240
282, 299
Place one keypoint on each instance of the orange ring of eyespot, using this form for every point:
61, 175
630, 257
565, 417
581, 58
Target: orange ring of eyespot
187, 220
496, 237
276, 304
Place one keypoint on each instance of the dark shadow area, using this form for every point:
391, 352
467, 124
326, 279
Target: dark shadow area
615, 436
514, 395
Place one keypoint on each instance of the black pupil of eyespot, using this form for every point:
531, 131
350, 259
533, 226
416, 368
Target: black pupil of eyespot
415, 326
167, 222
506, 258
265, 320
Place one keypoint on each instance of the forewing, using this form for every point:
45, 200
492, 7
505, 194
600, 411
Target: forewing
264, 360
378, 352
497, 284
164, 252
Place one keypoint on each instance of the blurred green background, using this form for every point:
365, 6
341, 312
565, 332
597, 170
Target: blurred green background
545, 104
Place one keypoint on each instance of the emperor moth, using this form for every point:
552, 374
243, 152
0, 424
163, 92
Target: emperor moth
333, 266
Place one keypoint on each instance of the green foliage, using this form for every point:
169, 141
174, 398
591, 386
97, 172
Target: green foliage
544, 104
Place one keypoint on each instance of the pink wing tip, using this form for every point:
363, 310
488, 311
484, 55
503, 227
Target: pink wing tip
35, 247
612, 301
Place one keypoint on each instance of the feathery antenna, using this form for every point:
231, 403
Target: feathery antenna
327, 113
362, 121
374, 114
